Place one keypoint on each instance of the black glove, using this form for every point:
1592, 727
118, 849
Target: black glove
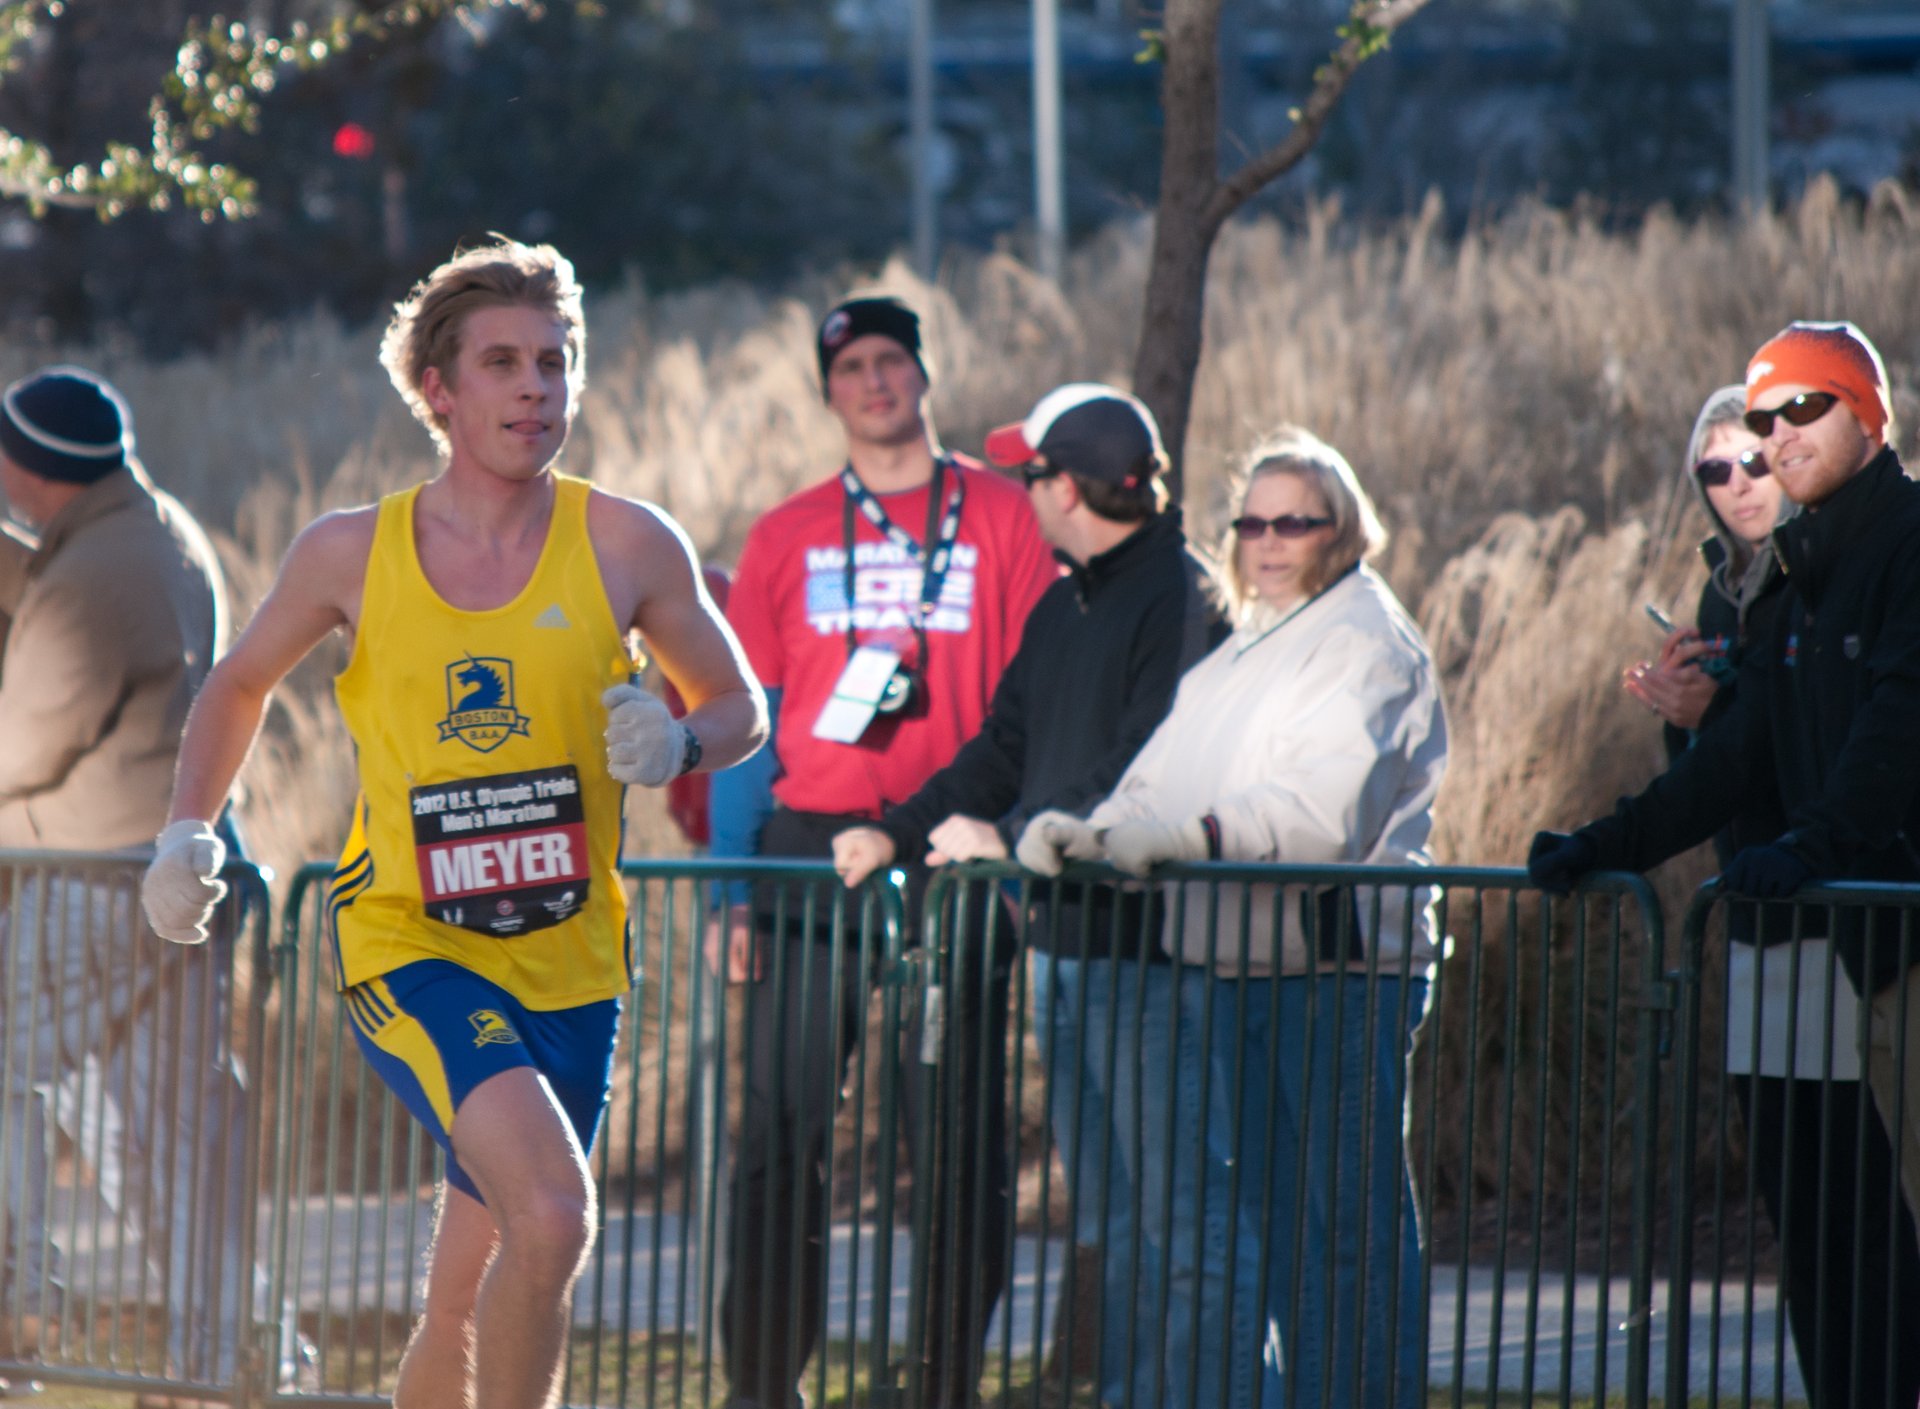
1770, 872
1556, 860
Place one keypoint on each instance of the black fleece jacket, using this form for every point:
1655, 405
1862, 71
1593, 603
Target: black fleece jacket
1101, 654
1761, 821
1823, 717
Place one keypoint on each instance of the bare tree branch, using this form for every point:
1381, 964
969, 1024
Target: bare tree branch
34, 193
1194, 204
1370, 24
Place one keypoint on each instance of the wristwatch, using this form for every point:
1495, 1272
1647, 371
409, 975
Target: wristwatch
690, 755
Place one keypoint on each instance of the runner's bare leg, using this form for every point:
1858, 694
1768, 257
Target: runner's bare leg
437, 1370
509, 1266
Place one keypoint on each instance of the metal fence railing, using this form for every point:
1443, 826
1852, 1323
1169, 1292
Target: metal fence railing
1428, 1187
1463, 1142
127, 1259
1788, 1223
354, 1177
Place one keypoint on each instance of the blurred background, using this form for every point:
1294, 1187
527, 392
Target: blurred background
672, 143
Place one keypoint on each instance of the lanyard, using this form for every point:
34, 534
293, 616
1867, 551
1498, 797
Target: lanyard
943, 530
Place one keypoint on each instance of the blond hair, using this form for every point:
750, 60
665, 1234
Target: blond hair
1357, 531
426, 327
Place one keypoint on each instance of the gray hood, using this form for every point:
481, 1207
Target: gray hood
1738, 572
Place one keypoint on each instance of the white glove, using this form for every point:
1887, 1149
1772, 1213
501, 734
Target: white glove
1051, 836
645, 743
183, 884
1138, 845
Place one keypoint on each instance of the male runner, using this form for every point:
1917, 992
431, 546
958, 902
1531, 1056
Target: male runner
477, 918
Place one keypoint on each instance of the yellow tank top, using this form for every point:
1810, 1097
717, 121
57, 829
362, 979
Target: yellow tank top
488, 830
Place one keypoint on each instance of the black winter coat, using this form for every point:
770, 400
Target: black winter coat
1762, 820
1825, 719
1100, 657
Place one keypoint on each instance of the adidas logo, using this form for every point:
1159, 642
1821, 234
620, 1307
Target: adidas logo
553, 619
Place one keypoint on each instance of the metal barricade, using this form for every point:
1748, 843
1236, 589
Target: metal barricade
1794, 1264
129, 1216
1206, 1159
1097, 1199
353, 1177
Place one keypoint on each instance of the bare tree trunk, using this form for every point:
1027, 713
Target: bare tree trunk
1168, 354
1196, 199
1165, 360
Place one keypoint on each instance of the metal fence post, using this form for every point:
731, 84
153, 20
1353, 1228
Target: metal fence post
712, 1150
1686, 1083
256, 1347
1655, 1000
899, 977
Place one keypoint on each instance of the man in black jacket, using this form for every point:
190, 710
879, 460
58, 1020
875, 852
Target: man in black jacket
1096, 670
1823, 719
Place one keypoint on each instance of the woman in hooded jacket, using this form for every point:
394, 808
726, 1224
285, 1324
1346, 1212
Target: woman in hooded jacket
1819, 1152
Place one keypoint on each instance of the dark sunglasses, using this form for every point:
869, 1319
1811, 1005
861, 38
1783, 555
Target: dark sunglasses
1286, 526
1803, 410
1034, 471
1719, 469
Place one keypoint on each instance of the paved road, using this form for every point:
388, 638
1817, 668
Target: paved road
649, 1274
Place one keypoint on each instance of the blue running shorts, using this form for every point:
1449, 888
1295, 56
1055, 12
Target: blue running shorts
433, 1031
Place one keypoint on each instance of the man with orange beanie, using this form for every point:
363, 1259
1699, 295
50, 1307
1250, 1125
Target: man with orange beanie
1824, 715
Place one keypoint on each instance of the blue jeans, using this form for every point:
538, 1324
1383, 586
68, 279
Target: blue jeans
1311, 1078
1124, 1084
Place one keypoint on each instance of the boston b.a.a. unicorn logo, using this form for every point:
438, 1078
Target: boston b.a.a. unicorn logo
480, 711
491, 1028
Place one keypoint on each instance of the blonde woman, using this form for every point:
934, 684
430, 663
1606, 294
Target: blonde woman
1313, 734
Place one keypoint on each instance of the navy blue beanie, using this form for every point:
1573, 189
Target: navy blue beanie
64, 423
859, 316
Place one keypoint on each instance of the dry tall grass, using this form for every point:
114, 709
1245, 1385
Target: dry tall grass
1516, 399
1538, 363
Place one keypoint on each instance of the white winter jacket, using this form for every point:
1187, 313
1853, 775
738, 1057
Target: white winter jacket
1317, 736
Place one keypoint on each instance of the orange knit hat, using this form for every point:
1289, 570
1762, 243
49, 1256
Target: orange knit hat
1833, 357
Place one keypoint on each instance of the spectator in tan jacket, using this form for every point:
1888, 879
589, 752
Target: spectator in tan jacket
116, 608
112, 608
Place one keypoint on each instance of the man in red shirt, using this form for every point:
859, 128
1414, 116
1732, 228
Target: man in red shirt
878, 608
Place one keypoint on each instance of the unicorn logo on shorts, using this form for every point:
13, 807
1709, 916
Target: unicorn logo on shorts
480, 707
491, 1027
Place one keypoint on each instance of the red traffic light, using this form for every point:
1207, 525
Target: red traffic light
352, 141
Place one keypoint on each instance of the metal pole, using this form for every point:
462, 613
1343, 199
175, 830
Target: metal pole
1751, 105
1049, 186
920, 135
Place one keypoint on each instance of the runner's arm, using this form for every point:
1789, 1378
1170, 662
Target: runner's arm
318, 579
696, 648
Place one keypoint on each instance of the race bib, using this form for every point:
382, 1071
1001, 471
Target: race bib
503, 855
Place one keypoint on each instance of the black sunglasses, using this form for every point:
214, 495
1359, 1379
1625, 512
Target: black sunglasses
1286, 526
1718, 470
1034, 471
1803, 410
